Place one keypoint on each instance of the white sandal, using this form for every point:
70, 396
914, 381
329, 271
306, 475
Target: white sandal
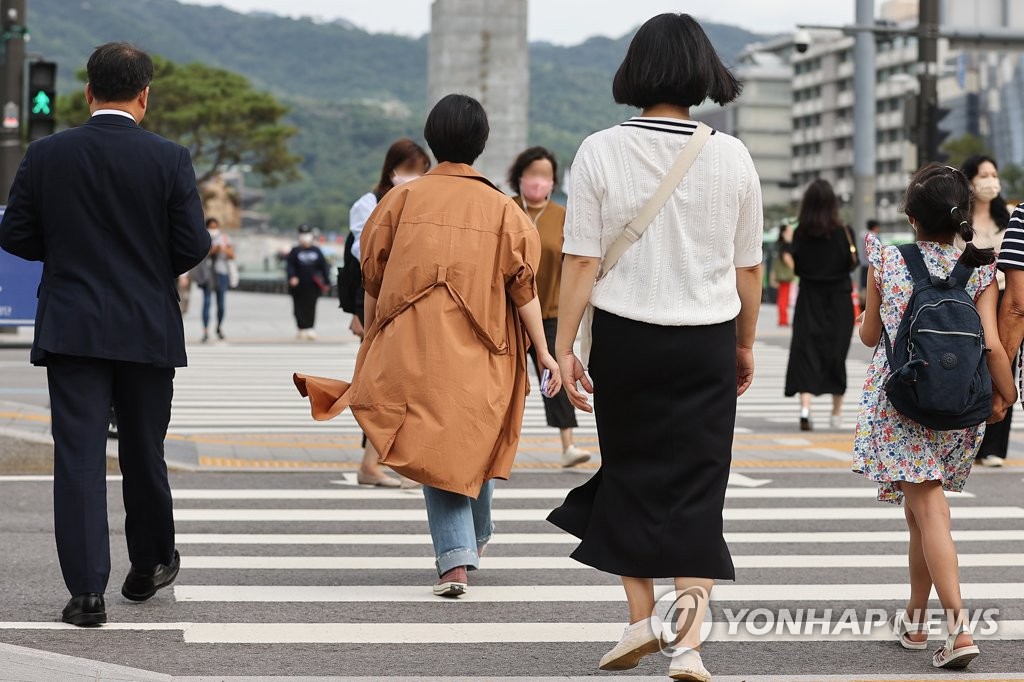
902, 628
952, 658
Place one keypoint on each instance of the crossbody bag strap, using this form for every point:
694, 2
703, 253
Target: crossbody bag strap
661, 196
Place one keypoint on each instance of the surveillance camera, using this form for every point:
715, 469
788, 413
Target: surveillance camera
802, 40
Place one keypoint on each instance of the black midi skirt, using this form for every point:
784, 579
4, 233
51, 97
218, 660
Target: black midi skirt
822, 331
665, 404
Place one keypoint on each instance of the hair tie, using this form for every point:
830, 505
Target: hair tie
963, 222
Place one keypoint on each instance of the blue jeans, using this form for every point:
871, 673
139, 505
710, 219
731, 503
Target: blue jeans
209, 291
458, 525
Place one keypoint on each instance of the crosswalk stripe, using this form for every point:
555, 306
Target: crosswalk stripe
264, 401
489, 633
384, 539
752, 594
301, 563
741, 514
503, 493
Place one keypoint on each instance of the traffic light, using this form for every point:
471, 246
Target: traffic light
42, 99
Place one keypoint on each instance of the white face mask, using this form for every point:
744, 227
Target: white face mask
987, 189
306, 239
214, 233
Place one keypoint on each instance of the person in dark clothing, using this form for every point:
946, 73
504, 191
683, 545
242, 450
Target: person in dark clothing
308, 279
114, 214
824, 254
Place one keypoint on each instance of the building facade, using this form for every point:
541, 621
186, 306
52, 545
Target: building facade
479, 48
762, 116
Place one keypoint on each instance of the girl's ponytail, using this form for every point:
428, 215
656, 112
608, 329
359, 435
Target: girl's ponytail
973, 256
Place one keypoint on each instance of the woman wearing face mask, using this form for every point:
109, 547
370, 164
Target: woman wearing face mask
532, 178
405, 160
990, 219
308, 279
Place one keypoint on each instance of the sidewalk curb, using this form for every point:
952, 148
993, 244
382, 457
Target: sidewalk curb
22, 664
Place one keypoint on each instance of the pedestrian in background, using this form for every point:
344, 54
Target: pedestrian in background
905, 458
532, 178
875, 228
823, 257
990, 218
672, 332
404, 161
114, 214
308, 279
440, 382
782, 272
213, 276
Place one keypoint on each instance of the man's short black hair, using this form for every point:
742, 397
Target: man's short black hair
457, 129
671, 61
118, 72
873, 224
212, 221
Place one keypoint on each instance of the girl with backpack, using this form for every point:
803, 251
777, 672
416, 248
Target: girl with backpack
907, 459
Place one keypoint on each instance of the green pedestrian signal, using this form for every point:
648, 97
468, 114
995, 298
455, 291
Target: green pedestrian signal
41, 104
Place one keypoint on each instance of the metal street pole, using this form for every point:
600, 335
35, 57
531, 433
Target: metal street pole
864, 137
928, 62
12, 85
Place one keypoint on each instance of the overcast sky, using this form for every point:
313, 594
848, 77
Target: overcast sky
565, 22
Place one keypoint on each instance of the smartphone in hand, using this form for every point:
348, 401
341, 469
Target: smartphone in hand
545, 381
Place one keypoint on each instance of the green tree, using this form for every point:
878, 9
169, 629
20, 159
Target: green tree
958, 149
1011, 177
217, 114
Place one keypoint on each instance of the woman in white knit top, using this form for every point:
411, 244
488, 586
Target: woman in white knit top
672, 336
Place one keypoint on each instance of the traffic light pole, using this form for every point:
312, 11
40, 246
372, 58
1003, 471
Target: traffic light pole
13, 18
928, 99
864, 117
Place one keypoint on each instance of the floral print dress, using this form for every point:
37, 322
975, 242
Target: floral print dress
888, 447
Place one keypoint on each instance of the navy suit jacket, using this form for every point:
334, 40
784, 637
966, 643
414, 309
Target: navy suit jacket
114, 214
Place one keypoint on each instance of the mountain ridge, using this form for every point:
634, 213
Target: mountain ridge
335, 77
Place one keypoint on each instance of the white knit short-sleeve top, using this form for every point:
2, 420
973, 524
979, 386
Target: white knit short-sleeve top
682, 271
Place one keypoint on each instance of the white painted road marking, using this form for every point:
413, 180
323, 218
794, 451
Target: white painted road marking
811, 537
875, 513
469, 633
751, 561
752, 594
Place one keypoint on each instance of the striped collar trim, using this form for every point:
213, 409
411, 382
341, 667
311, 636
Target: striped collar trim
665, 125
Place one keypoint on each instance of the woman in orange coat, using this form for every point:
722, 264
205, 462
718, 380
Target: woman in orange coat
440, 383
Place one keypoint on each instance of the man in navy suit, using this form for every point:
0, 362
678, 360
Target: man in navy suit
114, 214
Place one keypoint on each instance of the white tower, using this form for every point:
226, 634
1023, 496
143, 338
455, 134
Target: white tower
479, 48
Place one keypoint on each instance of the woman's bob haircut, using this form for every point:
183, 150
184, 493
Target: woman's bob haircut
457, 129
671, 61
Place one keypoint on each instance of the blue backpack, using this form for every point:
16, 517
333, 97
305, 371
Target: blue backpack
938, 372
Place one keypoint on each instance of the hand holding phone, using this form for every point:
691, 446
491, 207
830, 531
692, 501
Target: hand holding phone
545, 380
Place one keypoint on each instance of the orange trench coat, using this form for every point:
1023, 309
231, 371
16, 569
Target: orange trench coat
440, 382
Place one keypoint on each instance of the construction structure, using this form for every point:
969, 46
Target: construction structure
479, 48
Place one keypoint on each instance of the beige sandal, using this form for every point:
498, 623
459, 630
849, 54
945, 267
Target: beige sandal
903, 628
952, 658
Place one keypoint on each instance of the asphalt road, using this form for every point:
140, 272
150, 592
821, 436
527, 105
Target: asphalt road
351, 597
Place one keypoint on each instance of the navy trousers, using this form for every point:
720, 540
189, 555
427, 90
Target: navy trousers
81, 393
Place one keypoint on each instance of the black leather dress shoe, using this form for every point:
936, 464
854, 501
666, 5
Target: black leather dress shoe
86, 610
141, 585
